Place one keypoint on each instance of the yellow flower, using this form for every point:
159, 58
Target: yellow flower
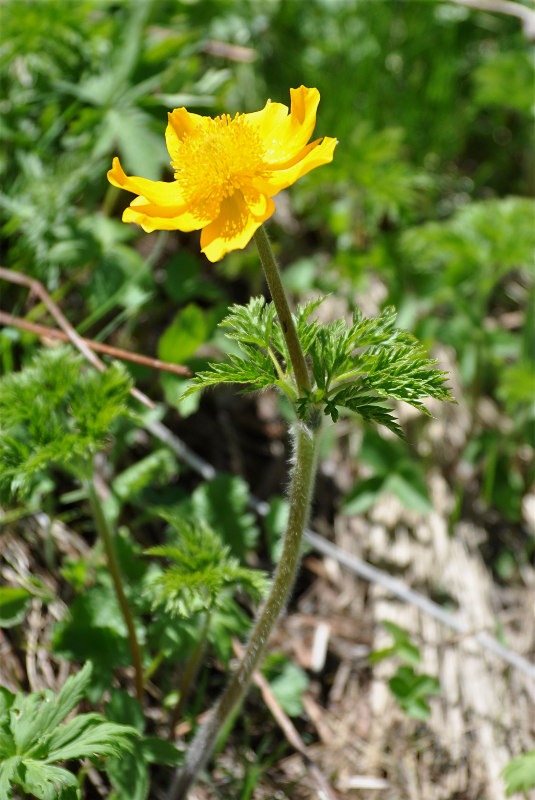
227, 170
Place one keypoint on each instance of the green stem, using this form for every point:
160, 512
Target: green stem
191, 671
284, 314
203, 743
106, 535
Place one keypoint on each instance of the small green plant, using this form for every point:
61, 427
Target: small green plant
409, 687
519, 774
56, 414
201, 580
33, 739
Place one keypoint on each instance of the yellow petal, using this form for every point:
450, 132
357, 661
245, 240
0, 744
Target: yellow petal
159, 192
267, 120
181, 123
317, 153
237, 221
285, 135
153, 217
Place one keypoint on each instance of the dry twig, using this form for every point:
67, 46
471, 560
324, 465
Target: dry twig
116, 352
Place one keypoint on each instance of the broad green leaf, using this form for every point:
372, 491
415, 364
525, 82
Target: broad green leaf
519, 774
363, 495
187, 332
160, 751
288, 688
13, 604
224, 503
410, 490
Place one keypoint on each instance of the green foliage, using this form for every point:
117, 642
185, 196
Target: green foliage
409, 687
223, 503
32, 739
519, 774
411, 691
130, 773
395, 470
402, 647
56, 411
356, 367
95, 629
287, 681
203, 571
13, 604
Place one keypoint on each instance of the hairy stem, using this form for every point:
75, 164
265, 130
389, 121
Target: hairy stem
106, 535
284, 314
302, 483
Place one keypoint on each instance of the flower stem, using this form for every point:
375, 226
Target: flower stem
284, 314
191, 671
204, 741
106, 535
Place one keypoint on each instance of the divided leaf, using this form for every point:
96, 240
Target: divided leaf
355, 367
202, 568
31, 738
56, 411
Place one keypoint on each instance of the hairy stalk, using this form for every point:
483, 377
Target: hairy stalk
284, 314
202, 745
106, 535
191, 672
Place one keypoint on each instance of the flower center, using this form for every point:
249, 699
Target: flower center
218, 159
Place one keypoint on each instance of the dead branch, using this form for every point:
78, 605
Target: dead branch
108, 349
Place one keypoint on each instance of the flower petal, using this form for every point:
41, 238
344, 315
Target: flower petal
314, 155
181, 123
237, 221
160, 192
285, 135
153, 217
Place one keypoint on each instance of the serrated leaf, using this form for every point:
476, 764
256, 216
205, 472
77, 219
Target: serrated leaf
47, 782
58, 411
8, 769
102, 739
202, 571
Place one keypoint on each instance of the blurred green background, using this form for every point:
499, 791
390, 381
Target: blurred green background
427, 204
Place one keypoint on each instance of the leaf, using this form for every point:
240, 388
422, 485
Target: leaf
57, 410
47, 782
411, 689
40, 715
158, 467
410, 490
8, 769
13, 604
129, 776
223, 503
160, 751
201, 570
288, 687
102, 739
519, 773
31, 724
187, 332
363, 495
